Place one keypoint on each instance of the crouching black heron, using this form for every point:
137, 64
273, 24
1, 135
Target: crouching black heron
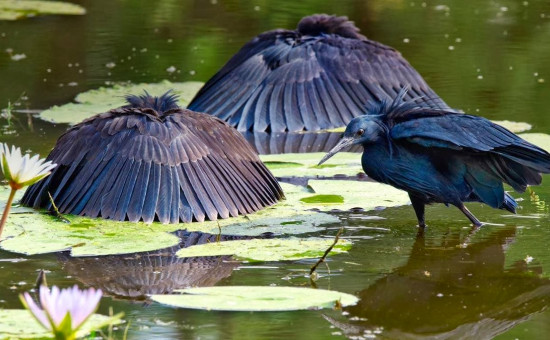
319, 76
151, 160
441, 156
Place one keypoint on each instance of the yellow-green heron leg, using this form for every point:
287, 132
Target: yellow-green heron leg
418, 206
471, 217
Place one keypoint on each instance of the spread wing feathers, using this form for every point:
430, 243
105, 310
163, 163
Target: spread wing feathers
274, 143
127, 165
505, 155
287, 81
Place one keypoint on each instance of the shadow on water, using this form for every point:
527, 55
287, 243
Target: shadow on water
449, 288
134, 276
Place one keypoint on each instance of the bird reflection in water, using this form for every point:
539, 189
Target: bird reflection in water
135, 276
449, 290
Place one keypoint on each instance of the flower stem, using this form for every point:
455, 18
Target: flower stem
7, 210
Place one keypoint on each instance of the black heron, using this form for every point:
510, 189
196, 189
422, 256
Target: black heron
152, 160
319, 76
441, 156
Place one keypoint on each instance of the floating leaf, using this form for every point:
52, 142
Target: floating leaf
31, 232
19, 324
352, 194
254, 298
267, 249
305, 164
106, 98
35, 233
515, 127
20, 9
323, 199
539, 139
15, 208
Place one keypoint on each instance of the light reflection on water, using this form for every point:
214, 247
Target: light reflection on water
498, 67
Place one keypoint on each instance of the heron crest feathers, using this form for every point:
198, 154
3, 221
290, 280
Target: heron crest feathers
162, 104
328, 24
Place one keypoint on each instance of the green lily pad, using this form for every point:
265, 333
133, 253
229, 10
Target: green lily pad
104, 99
20, 9
323, 199
16, 208
515, 127
539, 139
305, 164
257, 299
36, 233
20, 324
31, 232
267, 249
352, 194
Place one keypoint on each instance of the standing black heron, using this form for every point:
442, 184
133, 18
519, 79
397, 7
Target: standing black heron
441, 156
319, 76
152, 160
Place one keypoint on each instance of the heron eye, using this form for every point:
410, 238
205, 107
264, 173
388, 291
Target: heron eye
360, 132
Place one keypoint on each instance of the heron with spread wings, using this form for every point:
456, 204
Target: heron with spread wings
152, 160
319, 76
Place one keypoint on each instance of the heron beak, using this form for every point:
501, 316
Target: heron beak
343, 143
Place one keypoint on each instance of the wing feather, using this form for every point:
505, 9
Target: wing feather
131, 165
323, 70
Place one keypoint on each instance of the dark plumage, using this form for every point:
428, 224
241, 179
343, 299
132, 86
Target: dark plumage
319, 76
151, 160
443, 156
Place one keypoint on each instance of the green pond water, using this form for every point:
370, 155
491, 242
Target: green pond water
490, 58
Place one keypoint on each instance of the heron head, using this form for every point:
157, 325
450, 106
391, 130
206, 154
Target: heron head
360, 130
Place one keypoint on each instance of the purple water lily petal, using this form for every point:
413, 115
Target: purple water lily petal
38, 313
57, 303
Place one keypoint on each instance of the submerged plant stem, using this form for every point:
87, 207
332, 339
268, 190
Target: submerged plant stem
322, 259
7, 210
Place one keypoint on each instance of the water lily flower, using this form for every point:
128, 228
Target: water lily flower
20, 171
63, 310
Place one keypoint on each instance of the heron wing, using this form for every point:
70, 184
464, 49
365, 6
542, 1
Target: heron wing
501, 152
122, 165
282, 81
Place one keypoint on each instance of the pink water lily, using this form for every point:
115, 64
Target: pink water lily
58, 304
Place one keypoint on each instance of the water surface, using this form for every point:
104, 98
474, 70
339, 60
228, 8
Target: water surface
488, 58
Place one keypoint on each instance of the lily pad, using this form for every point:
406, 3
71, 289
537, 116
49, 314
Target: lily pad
36, 233
539, 139
31, 232
20, 9
267, 249
16, 208
305, 164
346, 195
19, 324
257, 299
515, 127
104, 99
